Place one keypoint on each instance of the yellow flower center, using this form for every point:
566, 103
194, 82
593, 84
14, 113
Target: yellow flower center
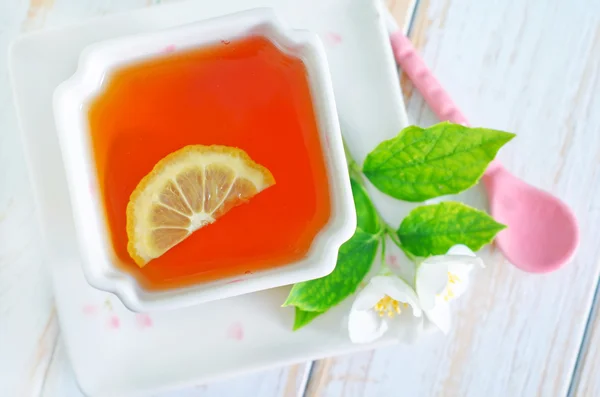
448, 293
453, 278
389, 306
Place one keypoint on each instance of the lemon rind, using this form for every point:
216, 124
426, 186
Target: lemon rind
145, 194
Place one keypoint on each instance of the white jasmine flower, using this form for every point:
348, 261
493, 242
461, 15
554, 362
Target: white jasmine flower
442, 278
387, 303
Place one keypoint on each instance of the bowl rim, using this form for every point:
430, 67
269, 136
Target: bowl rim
97, 61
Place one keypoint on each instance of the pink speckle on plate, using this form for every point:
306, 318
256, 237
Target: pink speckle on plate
235, 331
89, 309
143, 320
114, 322
334, 38
392, 260
226, 42
169, 48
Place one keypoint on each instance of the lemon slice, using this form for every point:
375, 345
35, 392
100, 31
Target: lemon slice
187, 190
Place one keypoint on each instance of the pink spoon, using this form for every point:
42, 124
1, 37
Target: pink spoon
542, 233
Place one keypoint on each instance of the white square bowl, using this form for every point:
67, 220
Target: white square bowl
71, 101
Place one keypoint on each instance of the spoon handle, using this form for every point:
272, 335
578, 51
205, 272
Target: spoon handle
435, 95
420, 75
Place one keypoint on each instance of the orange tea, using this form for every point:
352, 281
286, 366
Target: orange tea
245, 94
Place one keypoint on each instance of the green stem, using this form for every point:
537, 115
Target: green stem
384, 270
393, 236
388, 230
349, 157
353, 167
383, 250
356, 173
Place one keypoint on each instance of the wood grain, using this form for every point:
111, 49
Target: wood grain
402, 11
26, 337
586, 381
514, 334
36, 14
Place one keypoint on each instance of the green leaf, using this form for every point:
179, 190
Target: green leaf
423, 163
433, 229
353, 263
366, 215
302, 318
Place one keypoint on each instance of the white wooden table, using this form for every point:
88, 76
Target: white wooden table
527, 66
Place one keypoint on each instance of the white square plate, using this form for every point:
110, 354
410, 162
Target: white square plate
115, 352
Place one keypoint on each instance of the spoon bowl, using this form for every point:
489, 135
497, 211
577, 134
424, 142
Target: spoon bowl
542, 232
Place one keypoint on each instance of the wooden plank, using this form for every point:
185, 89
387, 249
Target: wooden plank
586, 381
27, 333
402, 11
530, 67
31, 361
